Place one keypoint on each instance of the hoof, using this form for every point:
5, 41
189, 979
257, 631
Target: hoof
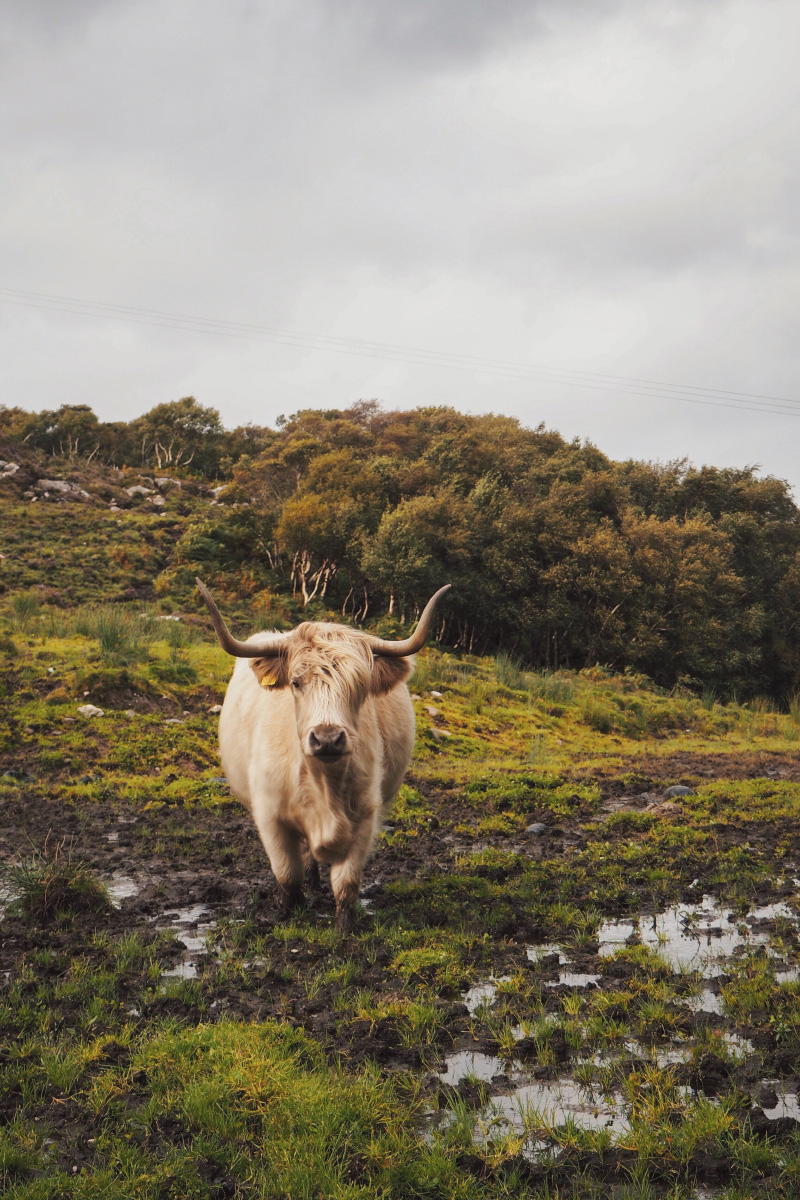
344, 920
292, 899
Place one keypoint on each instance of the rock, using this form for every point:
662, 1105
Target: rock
414, 696
52, 485
677, 789
438, 734
130, 713
90, 710
537, 828
138, 489
664, 808
436, 695
432, 712
174, 721
59, 487
162, 481
113, 508
215, 708
157, 501
8, 468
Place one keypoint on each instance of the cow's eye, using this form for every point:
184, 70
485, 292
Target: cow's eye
295, 683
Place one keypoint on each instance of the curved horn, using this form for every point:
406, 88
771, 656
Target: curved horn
417, 640
226, 638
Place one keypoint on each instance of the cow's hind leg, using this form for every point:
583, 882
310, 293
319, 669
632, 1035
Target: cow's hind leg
311, 868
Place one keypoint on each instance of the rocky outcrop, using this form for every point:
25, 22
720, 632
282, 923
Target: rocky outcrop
59, 487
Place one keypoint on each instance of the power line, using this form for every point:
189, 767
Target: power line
362, 348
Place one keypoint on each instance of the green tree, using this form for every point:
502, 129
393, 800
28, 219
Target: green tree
181, 433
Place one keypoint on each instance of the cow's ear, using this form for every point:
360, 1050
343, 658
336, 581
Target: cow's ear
388, 672
271, 671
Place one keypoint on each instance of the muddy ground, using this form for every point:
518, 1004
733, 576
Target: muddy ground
192, 869
210, 861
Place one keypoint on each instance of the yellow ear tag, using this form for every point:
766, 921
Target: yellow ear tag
269, 680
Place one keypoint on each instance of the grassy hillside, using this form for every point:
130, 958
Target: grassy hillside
540, 996
557, 553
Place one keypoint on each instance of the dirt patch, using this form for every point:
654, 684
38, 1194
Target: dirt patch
663, 770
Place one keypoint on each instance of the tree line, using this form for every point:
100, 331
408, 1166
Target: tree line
179, 435
557, 554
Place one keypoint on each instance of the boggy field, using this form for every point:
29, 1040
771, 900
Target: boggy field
565, 980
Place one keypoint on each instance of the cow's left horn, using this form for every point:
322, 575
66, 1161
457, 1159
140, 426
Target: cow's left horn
417, 640
228, 641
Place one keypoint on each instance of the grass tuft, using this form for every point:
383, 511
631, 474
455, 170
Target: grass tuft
24, 607
119, 632
52, 882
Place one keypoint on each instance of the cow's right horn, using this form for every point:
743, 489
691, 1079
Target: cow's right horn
417, 640
228, 641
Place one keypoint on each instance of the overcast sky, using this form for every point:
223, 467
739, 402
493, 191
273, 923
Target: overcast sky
600, 187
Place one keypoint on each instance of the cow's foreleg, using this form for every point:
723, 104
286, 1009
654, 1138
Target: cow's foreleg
282, 845
346, 876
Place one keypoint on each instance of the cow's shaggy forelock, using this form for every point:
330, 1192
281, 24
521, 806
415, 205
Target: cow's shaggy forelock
333, 654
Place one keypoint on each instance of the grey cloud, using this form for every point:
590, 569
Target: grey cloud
611, 186
425, 32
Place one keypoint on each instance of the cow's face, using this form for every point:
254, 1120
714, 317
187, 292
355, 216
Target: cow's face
330, 672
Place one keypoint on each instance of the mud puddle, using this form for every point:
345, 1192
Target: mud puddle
695, 937
192, 927
536, 954
535, 1109
473, 1064
574, 979
122, 887
781, 1103
706, 1002
184, 970
482, 994
528, 1107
